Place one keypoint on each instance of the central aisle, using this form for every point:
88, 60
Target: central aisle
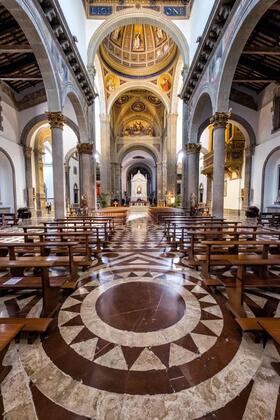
142, 338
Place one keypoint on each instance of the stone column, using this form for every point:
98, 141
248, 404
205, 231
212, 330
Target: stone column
185, 193
105, 164
56, 121
67, 186
160, 191
171, 153
28, 177
249, 151
219, 121
209, 192
192, 152
92, 139
85, 151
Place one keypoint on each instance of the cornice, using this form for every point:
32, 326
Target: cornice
62, 33
214, 28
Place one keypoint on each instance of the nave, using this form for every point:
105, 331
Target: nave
142, 337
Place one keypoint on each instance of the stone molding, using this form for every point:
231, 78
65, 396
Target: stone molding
56, 119
192, 148
27, 151
220, 119
85, 148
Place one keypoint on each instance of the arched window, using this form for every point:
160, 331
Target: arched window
76, 194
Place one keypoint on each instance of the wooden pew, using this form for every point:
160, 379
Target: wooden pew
8, 219
50, 286
7, 333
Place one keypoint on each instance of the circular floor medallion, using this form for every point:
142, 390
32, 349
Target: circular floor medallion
140, 307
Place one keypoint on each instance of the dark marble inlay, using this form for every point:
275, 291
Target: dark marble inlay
140, 307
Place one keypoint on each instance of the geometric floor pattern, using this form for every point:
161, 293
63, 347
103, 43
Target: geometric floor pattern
142, 338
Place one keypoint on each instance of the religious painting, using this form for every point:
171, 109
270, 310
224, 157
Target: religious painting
160, 35
138, 43
165, 82
215, 64
122, 100
139, 190
138, 128
138, 106
112, 83
117, 35
154, 100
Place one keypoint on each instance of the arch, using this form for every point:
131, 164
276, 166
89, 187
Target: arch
141, 84
203, 110
69, 154
138, 146
275, 150
33, 124
248, 19
6, 154
69, 92
133, 15
33, 26
240, 122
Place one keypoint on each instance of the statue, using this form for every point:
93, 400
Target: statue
84, 205
137, 41
193, 202
159, 33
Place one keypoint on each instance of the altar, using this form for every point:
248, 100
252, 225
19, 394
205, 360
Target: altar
138, 188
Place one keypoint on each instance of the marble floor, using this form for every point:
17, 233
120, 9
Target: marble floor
142, 338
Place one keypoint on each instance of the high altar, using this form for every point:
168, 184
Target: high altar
138, 187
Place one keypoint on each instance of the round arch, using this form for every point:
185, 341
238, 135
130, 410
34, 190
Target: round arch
69, 92
255, 10
141, 84
269, 156
135, 147
33, 27
203, 110
133, 15
6, 154
69, 154
35, 123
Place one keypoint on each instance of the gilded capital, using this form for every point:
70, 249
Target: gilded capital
85, 148
192, 148
220, 119
56, 119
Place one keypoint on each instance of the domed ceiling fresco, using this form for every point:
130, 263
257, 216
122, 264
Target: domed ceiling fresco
138, 50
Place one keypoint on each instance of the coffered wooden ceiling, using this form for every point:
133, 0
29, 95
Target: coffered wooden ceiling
259, 64
18, 65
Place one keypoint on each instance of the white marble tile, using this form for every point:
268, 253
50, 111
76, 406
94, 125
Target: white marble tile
113, 359
147, 360
86, 348
179, 356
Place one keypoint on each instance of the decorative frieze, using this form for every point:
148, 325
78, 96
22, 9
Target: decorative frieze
191, 148
56, 119
85, 148
220, 119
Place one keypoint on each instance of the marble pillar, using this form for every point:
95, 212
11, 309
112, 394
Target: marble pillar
171, 154
67, 186
159, 188
209, 192
85, 151
192, 155
219, 121
92, 140
105, 164
184, 189
249, 151
56, 121
28, 177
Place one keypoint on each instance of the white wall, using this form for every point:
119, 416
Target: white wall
74, 14
6, 183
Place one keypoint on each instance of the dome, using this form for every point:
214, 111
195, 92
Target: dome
138, 50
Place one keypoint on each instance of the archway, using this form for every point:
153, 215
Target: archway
7, 183
270, 193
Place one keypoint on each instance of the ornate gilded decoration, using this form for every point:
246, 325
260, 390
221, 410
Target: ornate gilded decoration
154, 100
220, 119
85, 148
192, 148
138, 128
122, 100
138, 106
138, 50
112, 82
56, 119
165, 82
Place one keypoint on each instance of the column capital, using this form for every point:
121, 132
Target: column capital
192, 148
85, 148
27, 151
56, 119
220, 119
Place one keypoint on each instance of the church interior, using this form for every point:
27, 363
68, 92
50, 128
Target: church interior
139, 209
